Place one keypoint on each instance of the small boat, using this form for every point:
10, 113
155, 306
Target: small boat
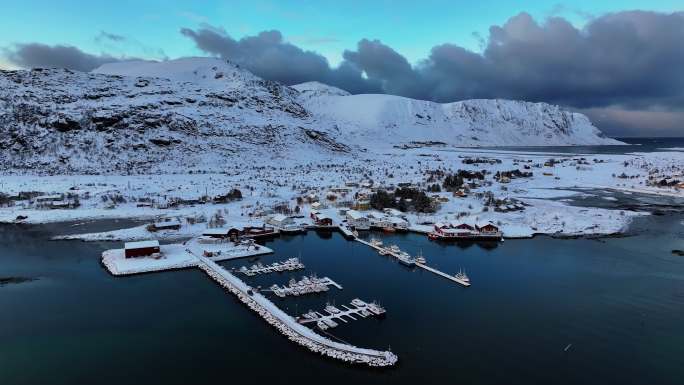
420, 258
375, 242
384, 251
462, 276
389, 229
394, 249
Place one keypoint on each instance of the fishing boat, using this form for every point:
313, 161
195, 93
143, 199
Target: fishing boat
461, 275
419, 258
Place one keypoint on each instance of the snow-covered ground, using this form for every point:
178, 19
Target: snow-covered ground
290, 184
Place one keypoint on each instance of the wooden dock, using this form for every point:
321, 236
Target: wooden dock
441, 274
421, 265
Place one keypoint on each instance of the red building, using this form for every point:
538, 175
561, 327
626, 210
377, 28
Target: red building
141, 249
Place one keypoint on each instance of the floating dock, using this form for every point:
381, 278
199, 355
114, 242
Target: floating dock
334, 314
418, 264
306, 285
286, 265
441, 274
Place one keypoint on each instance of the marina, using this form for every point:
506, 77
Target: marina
330, 316
258, 268
306, 285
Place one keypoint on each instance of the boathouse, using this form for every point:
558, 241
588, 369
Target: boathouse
357, 220
141, 249
169, 224
280, 220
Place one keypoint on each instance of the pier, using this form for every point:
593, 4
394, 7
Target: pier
444, 275
418, 264
334, 314
286, 265
306, 285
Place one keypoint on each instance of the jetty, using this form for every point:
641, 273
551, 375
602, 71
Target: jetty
330, 316
179, 256
290, 264
306, 285
400, 256
444, 275
288, 326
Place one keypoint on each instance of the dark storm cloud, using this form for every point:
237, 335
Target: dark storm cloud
60, 56
269, 56
631, 61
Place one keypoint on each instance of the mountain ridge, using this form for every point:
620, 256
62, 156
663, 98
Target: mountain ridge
198, 113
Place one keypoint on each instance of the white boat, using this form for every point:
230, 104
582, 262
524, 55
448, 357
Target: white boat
420, 258
375, 242
461, 275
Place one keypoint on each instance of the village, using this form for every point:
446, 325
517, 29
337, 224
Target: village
197, 221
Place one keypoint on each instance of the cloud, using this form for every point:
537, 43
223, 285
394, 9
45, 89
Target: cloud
625, 61
61, 56
106, 36
269, 56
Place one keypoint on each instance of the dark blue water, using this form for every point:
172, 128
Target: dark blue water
618, 301
634, 145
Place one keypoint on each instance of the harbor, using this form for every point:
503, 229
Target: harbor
149, 256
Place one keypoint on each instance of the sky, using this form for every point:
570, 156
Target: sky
603, 58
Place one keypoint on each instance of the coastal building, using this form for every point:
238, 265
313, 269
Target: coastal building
357, 220
280, 220
169, 224
141, 249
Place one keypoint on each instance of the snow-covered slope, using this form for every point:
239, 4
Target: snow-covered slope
392, 119
208, 114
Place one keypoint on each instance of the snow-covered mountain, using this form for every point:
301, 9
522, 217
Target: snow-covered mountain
466, 123
208, 114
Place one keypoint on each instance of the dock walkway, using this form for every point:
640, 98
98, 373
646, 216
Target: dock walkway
418, 264
334, 314
286, 265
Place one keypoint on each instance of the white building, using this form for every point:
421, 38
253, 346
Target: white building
280, 220
357, 220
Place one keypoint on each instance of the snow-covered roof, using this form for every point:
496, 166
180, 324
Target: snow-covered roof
140, 244
215, 231
353, 214
278, 217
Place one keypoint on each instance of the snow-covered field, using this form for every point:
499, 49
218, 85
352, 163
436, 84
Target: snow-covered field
292, 184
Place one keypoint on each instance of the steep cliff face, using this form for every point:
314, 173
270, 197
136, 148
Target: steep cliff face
203, 113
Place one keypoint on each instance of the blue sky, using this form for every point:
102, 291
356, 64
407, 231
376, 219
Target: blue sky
328, 27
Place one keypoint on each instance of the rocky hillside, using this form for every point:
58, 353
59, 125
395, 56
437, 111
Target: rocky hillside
207, 114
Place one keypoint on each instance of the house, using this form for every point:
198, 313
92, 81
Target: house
280, 220
393, 212
169, 224
231, 233
488, 228
316, 205
504, 179
378, 220
362, 204
357, 220
321, 219
141, 249
399, 224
